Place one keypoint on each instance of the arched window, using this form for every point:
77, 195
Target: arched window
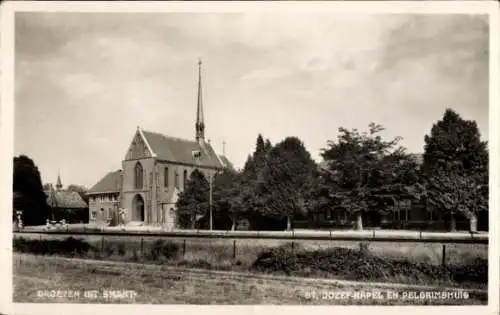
138, 176
176, 179
185, 179
165, 177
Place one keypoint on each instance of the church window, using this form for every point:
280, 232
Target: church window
185, 179
165, 177
176, 179
138, 176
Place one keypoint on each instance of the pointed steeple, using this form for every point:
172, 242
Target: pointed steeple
200, 124
59, 184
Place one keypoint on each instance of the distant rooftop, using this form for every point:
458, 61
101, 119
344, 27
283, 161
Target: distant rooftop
65, 199
110, 183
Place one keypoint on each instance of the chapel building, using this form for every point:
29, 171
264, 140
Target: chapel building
156, 168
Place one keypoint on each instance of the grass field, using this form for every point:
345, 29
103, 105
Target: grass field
220, 252
393, 262
154, 284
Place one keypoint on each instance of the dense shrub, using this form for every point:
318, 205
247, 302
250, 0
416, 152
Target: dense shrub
477, 272
109, 249
121, 249
163, 249
69, 246
279, 259
362, 265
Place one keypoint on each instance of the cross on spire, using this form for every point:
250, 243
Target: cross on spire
200, 124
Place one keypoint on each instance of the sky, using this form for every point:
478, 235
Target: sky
85, 81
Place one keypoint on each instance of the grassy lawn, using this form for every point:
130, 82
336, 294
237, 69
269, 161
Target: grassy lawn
154, 284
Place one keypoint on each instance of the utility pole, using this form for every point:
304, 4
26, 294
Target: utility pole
210, 201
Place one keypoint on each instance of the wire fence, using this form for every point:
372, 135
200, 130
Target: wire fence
223, 252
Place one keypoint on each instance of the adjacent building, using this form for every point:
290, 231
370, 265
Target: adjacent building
155, 169
67, 205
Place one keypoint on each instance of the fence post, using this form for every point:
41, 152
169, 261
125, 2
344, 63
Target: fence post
234, 249
443, 263
142, 246
184, 248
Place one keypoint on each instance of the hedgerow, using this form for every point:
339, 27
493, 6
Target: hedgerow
362, 265
69, 246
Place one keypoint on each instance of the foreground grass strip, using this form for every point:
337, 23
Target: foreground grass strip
171, 285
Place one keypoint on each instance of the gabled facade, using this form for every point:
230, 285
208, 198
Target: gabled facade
154, 171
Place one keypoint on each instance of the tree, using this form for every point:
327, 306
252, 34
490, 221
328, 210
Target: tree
454, 191
225, 196
364, 172
27, 186
260, 153
247, 200
456, 168
285, 181
81, 190
193, 201
255, 162
320, 196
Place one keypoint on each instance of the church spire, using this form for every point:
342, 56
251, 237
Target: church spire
200, 124
59, 184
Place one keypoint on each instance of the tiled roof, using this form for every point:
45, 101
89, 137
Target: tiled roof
181, 150
110, 183
65, 199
